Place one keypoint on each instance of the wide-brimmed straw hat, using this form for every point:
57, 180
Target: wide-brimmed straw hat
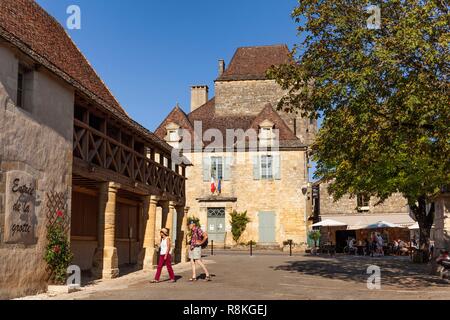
165, 231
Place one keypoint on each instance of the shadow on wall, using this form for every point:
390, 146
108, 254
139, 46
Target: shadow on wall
395, 271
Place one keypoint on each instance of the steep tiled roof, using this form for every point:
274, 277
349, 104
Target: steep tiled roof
269, 113
251, 63
33, 26
206, 114
176, 116
32, 30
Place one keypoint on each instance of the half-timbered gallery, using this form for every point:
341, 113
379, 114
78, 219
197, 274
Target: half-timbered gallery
68, 150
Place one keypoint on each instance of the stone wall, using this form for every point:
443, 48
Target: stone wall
284, 196
249, 97
346, 205
245, 97
36, 143
442, 222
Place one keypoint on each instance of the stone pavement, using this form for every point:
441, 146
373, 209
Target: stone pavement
276, 275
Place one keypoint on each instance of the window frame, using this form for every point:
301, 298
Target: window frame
266, 167
362, 202
173, 135
20, 88
216, 163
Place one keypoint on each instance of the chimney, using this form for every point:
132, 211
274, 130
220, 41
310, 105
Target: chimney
221, 67
199, 96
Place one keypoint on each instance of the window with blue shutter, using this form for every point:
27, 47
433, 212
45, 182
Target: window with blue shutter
228, 160
216, 168
256, 168
266, 167
277, 167
206, 168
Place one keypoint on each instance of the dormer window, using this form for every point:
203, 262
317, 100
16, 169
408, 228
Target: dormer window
173, 134
266, 135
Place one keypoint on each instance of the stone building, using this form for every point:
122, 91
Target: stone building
259, 155
68, 149
357, 212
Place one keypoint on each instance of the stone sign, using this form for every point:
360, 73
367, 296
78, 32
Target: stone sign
20, 219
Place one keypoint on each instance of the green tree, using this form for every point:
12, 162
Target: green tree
383, 94
238, 223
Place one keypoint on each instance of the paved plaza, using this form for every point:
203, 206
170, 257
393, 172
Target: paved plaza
276, 275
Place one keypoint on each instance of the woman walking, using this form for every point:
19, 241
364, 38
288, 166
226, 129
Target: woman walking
164, 256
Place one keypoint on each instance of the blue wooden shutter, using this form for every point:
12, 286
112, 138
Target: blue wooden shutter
227, 168
206, 168
256, 167
276, 166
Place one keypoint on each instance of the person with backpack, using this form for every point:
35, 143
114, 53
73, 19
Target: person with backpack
199, 240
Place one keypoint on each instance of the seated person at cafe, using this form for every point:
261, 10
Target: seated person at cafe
395, 247
351, 246
402, 247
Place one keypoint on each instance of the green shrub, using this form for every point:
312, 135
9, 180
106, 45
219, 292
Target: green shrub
57, 253
238, 223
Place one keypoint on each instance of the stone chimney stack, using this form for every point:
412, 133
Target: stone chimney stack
199, 96
221, 67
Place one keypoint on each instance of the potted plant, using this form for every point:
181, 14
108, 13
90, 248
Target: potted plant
315, 236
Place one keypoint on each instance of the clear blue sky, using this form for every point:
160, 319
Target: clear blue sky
150, 52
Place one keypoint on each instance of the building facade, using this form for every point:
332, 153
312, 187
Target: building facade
69, 150
442, 222
357, 212
258, 155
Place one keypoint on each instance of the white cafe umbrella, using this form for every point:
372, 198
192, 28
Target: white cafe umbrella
415, 226
380, 225
328, 223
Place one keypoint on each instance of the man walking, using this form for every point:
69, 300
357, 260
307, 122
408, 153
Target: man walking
198, 239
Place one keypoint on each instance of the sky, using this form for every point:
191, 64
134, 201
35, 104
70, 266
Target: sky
150, 52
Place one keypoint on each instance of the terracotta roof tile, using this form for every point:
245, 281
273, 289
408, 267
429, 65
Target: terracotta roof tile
31, 29
206, 114
177, 116
33, 26
269, 113
251, 63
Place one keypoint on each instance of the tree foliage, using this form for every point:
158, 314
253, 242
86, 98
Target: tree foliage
383, 94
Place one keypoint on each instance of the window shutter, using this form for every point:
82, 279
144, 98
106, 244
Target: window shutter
227, 168
256, 168
276, 167
206, 168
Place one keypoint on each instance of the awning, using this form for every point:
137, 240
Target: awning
356, 221
328, 223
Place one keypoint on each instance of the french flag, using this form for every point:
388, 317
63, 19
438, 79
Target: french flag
213, 185
219, 186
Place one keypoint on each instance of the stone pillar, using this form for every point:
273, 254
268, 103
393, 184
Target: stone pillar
148, 250
169, 221
159, 221
182, 233
106, 261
